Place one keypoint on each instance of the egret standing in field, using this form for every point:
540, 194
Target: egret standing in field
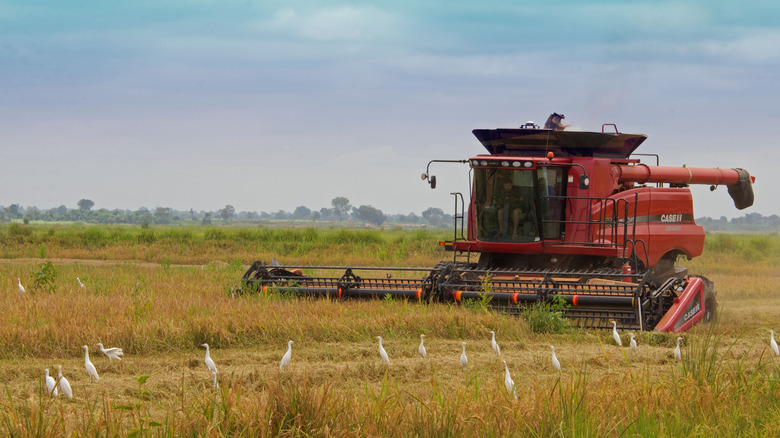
111, 353
633, 343
88, 365
615, 334
64, 384
51, 385
81, 285
555, 362
287, 356
421, 348
677, 353
383, 353
209, 362
21, 288
464, 361
494, 344
508, 382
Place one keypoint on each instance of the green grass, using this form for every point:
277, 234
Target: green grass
726, 384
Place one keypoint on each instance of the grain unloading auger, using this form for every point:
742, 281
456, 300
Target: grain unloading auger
555, 214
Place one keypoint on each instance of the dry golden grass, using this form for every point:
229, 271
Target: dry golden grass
337, 385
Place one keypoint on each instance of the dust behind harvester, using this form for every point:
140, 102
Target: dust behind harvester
554, 213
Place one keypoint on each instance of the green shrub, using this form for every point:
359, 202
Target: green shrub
44, 277
547, 316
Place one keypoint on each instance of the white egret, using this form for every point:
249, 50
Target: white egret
287, 356
81, 285
773, 343
615, 334
51, 385
421, 348
209, 362
508, 382
64, 384
88, 365
555, 362
382, 352
633, 343
494, 344
464, 361
677, 353
21, 288
111, 353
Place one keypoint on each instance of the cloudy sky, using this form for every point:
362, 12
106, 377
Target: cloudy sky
268, 105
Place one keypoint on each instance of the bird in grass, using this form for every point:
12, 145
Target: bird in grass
287, 356
464, 360
494, 344
51, 385
773, 343
81, 285
508, 382
21, 288
112, 353
421, 348
633, 343
677, 353
555, 362
615, 334
88, 365
209, 362
64, 384
382, 352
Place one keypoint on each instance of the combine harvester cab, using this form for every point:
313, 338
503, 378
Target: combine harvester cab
558, 215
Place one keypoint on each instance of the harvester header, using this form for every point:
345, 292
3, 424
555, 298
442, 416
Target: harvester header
555, 214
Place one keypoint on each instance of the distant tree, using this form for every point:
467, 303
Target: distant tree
228, 212
341, 205
162, 215
33, 214
301, 212
85, 205
315, 216
367, 213
14, 211
206, 219
281, 215
327, 214
434, 216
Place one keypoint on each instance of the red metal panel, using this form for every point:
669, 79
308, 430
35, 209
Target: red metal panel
687, 310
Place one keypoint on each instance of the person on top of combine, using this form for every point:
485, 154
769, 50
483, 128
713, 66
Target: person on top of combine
510, 200
554, 122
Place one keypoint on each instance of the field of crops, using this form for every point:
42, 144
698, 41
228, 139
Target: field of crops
161, 292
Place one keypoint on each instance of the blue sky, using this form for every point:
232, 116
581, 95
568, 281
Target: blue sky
274, 104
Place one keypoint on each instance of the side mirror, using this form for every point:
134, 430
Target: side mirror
584, 181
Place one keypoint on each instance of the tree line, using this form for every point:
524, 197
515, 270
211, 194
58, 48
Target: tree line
341, 210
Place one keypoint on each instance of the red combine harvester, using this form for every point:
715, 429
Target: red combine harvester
556, 213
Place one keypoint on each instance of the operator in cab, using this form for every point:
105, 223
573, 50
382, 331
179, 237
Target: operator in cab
511, 203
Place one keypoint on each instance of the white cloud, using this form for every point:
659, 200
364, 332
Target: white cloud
340, 23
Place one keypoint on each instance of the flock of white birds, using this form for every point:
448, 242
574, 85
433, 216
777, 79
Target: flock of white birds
53, 387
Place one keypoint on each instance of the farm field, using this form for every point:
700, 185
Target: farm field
161, 292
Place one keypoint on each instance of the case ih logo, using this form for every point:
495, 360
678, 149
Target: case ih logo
692, 310
671, 218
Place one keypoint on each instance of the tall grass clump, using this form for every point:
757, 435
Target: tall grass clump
546, 316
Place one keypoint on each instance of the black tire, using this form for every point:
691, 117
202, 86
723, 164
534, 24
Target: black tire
710, 303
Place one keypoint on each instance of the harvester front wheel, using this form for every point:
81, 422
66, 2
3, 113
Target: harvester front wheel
710, 303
